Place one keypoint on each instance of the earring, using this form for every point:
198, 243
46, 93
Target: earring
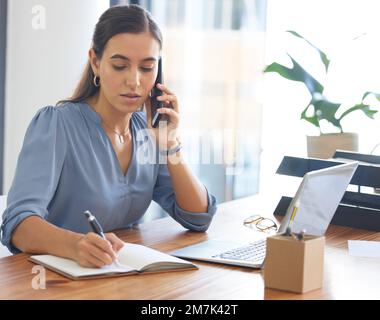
97, 81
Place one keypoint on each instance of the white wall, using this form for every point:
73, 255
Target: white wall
354, 68
47, 45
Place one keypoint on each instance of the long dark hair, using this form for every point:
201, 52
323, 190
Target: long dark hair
118, 19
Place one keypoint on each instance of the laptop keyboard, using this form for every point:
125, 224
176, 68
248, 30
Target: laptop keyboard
251, 252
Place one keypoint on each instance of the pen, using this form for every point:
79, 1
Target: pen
293, 215
97, 228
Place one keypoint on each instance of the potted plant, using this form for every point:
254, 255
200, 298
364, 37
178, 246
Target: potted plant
321, 108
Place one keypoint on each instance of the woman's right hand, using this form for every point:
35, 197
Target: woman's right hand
91, 250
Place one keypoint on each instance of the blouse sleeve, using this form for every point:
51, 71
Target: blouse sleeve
37, 174
163, 194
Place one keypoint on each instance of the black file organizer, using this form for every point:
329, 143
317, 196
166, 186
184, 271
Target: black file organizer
356, 210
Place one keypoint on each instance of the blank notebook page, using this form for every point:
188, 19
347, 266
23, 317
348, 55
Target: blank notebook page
138, 256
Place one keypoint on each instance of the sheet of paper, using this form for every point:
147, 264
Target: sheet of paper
360, 248
74, 269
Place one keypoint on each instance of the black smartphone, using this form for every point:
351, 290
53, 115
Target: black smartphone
156, 117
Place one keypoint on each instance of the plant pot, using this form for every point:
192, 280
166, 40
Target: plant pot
325, 145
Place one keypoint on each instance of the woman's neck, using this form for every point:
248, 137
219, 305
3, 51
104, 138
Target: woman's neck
113, 118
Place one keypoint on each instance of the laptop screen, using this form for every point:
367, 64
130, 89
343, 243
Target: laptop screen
317, 199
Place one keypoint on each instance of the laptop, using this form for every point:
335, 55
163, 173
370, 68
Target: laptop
316, 201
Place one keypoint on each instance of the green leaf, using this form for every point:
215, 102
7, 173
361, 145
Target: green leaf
361, 106
322, 55
296, 73
377, 95
313, 119
326, 110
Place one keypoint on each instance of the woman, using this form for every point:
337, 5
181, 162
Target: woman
82, 154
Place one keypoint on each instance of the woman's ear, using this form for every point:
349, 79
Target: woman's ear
93, 61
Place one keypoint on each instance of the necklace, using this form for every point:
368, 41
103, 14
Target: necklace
120, 135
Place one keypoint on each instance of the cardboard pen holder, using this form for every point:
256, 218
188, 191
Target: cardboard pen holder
294, 265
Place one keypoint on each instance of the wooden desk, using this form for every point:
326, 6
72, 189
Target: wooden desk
346, 277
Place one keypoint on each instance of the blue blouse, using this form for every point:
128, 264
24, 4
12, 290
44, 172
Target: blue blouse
67, 165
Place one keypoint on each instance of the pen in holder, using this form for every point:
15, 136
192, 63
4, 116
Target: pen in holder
294, 262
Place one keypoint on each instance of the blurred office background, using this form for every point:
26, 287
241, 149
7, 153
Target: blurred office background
213, 57
214, 53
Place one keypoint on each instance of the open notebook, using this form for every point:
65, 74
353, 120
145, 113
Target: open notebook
132, 258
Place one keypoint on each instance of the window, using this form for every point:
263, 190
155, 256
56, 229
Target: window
213, 57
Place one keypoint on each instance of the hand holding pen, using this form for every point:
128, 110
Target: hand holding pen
96, 249
97, 228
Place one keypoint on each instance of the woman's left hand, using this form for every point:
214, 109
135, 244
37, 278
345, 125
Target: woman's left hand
169, 138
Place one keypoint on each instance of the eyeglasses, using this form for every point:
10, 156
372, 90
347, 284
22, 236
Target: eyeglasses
260, 223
